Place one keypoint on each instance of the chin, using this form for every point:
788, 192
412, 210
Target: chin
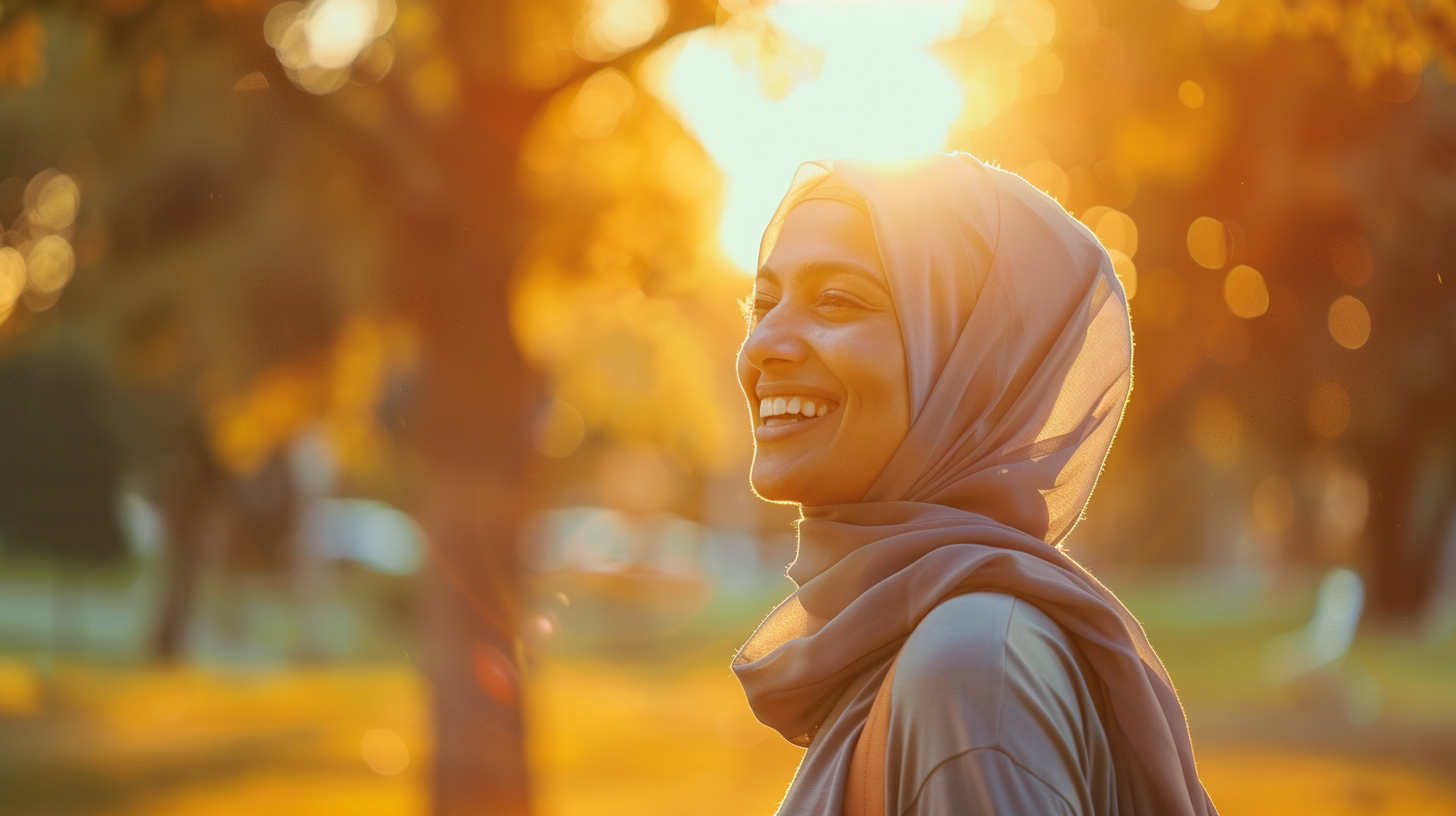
771, 490
789, 482
772, 483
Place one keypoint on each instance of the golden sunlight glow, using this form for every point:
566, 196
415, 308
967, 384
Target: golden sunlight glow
1349, 322
318, 43
614, 26
338, 30
852, 80
1245, 293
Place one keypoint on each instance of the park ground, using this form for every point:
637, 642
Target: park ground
661, 728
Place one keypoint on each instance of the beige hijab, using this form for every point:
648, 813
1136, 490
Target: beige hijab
1019, 354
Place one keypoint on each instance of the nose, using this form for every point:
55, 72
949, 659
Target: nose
777, 340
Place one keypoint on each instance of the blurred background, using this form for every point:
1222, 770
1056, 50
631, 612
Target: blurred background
369, 442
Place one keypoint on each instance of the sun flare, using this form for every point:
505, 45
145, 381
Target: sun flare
811, 79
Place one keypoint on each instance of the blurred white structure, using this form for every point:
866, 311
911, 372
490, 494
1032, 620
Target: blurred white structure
371, 533
1326, 638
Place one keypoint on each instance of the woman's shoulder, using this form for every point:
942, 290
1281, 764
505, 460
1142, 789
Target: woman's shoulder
976, 631
992, 702
983, 652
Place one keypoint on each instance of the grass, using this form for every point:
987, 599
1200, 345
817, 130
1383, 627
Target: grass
661, 729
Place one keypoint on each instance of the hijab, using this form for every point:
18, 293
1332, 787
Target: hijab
1019, 355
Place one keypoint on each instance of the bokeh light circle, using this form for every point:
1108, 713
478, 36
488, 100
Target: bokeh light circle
57, 203
50, 262
1329, 410
1245, 293
1126, 271
1349, 322
384, 751
1116, 230
1208, 242
1190, 93
560, 429
12, 277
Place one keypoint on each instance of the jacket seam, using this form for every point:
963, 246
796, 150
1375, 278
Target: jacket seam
1009, 758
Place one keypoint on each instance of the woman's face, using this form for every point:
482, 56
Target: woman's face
824, 364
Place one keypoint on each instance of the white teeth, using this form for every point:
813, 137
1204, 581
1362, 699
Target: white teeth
803, 406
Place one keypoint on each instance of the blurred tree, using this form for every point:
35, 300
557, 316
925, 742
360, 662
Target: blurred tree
230, 217
61, 462
1282, 167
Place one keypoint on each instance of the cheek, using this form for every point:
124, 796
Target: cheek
872, 369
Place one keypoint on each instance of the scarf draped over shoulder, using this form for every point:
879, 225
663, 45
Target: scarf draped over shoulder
1019, 354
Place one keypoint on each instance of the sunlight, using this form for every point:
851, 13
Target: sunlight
878, 92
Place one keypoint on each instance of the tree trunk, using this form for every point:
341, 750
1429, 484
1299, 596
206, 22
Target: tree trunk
1411, 507
474, 400
480, 765
192, 482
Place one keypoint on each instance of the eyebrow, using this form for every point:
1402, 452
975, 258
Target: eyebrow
823, 269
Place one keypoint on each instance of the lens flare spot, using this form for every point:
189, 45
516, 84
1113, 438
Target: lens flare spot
494, 672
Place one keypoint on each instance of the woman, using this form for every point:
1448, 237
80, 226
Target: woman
937, 360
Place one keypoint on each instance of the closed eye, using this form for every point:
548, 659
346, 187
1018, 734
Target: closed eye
836, 298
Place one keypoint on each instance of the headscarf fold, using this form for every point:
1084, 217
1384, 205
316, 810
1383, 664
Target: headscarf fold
1019, 355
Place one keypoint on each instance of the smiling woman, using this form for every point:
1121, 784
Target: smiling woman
823, 361
937, 360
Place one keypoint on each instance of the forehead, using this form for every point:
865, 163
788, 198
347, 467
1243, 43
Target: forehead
824, 230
